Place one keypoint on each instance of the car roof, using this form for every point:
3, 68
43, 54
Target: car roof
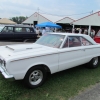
18, 25
75, 34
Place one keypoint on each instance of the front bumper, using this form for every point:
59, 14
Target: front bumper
5, 73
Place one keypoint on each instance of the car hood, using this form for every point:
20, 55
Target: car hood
25, 50
23, 47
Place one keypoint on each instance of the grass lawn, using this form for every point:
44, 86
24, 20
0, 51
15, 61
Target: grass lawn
59, 86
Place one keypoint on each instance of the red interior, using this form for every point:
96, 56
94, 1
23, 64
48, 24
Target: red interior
97, 39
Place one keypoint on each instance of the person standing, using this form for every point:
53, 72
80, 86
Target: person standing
47, 29
73, 30
43, 31
80, 31
92, 34
37, 31
85, 31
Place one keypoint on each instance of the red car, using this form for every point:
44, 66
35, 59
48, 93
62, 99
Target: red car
97, 37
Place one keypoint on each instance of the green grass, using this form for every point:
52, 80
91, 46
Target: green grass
59, 86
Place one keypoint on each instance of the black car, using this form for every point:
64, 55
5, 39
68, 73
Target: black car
17, 32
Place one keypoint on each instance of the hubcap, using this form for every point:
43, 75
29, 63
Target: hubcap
36, 77
95, 61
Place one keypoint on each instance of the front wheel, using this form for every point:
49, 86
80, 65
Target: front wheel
35, 77
93, 63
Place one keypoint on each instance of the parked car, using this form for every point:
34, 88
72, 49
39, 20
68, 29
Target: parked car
97, 37
17, 32
51, 53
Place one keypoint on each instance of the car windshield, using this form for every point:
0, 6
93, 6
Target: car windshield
1, 27
51, 40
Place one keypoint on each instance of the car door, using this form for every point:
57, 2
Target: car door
29, 33
18, 33
7, 33
72, 53
23, 33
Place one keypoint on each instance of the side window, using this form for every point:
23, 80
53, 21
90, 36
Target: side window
72, 41
28, 30
22, 29
76, 41
17, 29
66, 44
10, 29
85, 42
7, 29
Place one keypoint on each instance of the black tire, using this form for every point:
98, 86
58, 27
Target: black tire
93, 63
35, 77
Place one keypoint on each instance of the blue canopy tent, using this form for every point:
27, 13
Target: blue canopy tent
48, 24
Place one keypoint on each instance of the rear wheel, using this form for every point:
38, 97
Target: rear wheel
93, 63
35, 77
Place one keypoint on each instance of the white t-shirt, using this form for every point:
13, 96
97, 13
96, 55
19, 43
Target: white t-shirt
73, 30
43, 31
80, 31
37, 32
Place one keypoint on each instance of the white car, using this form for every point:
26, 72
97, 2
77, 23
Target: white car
51, 53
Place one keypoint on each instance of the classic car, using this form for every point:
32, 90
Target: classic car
17, 32
97, 37
51, 53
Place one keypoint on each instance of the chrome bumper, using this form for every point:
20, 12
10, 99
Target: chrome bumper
5, 74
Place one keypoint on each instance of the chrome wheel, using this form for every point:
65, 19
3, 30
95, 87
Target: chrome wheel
36, 77
95, 61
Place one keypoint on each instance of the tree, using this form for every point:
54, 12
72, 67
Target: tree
19, 19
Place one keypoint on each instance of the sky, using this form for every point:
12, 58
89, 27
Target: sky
70, 8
